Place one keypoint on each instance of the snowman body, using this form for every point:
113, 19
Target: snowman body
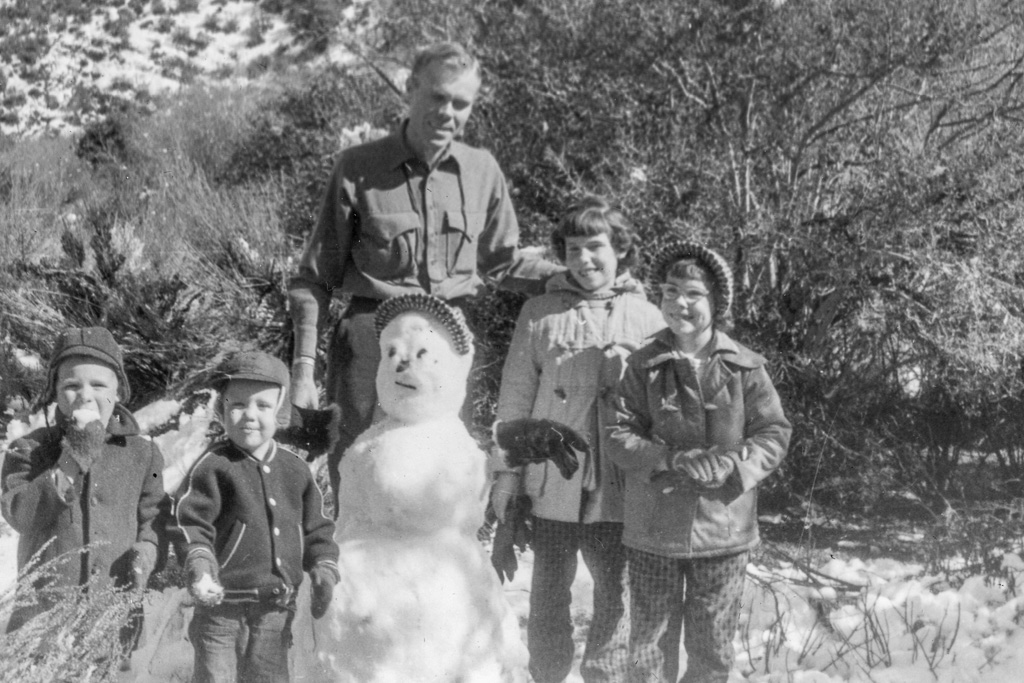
418, 599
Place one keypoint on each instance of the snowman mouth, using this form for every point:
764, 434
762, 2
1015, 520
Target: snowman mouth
407, 386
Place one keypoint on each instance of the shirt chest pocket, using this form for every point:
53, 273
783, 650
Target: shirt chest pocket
385, 248
459, 238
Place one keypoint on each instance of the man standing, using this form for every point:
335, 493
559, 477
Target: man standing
416, 211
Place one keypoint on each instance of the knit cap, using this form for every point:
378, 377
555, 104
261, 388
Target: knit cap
711, 261
91, 342
451, 318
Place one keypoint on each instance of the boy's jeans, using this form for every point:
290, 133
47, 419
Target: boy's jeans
549, 630
710, 592
245, 642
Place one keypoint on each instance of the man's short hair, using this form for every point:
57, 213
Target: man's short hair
456, 59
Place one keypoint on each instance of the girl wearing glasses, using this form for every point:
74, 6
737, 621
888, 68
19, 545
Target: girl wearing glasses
699, 425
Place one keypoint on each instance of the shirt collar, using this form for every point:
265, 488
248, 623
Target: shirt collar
397, 151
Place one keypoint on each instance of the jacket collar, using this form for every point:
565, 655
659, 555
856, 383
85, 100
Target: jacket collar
624, 284
723, 348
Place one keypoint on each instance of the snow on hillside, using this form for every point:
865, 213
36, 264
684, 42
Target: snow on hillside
61, 71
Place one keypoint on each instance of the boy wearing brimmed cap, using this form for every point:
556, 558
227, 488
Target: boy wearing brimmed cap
699, 425
89, 488
249, 521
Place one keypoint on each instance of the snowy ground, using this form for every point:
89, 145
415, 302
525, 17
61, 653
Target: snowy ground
882, 620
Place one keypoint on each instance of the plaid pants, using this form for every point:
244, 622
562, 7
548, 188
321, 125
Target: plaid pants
549, 629
707, 591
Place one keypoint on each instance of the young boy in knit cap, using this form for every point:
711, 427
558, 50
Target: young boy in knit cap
699, 425
88, 489
249, 521
565, 360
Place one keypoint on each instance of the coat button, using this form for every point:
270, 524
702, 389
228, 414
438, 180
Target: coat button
277, 532
272, 502
266, 469
94, 501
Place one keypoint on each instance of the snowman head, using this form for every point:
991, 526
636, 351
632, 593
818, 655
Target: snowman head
426, 354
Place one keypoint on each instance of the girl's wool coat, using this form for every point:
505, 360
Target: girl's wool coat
566, 357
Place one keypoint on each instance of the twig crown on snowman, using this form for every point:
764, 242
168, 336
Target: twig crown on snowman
426, 354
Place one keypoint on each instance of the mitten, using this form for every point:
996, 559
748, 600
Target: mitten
503, 552
323, 578
529, 440
143, 560
202, 580
515, 531
84, 438
314, 431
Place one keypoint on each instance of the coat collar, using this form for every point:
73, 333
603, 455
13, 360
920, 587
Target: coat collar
723, 349
624, 284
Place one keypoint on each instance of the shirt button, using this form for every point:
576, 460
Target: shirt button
272, 502
266, 469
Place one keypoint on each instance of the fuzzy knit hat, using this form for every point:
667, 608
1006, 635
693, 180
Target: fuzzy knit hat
712, 261
449, 316
91, 342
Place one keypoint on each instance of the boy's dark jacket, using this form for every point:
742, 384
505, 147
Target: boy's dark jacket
116, 504
262, 521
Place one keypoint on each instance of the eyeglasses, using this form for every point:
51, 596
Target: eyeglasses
690, 296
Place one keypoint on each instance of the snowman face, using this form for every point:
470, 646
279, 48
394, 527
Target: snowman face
420, 376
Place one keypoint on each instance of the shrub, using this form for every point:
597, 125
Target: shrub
78, 638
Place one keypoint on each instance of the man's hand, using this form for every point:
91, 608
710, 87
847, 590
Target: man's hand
202, 581
143, 560
304, 393
323, 578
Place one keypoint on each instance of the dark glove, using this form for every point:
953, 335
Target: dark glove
202, 580
314, 431
84, 445
529, 440
323, 578
515, 531
143, 560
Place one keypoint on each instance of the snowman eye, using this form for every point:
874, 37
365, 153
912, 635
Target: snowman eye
391, 352
421, 353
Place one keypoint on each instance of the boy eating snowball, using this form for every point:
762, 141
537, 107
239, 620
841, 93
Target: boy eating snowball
249, 520
89, 488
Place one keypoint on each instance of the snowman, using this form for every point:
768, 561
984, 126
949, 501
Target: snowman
418, 599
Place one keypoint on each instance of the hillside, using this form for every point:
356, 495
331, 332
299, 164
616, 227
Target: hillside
65, 63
